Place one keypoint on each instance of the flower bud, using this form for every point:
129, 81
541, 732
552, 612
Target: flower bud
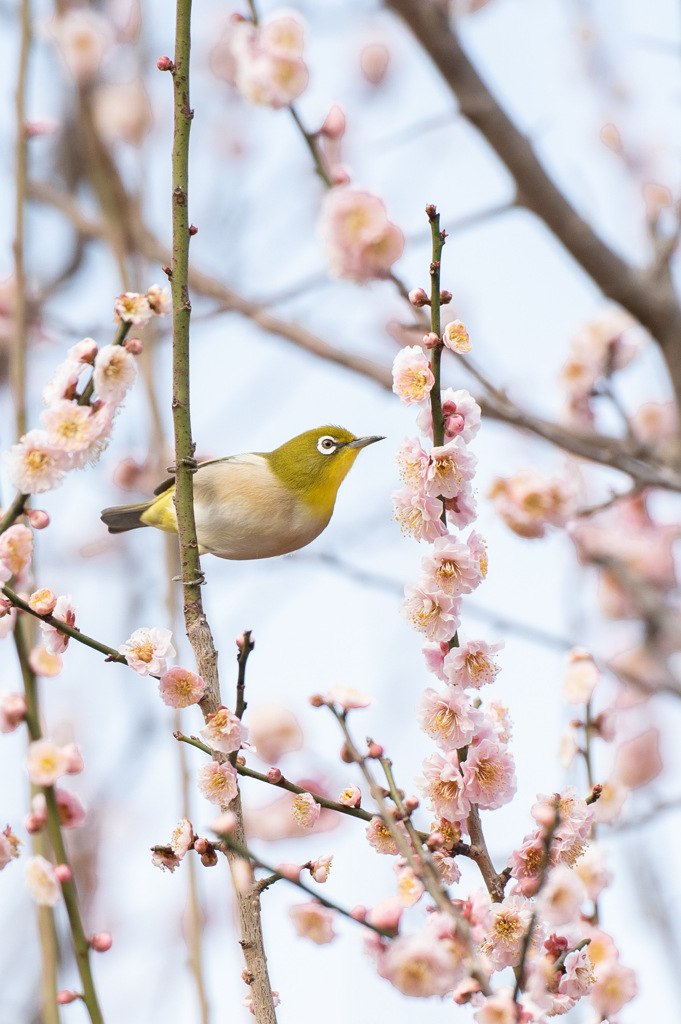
340, 176
316, 700
62, 873
418, 297
64, 997
101, 942
134, 346
274, 775
430, 340
435, 841
165, 64
33, 823
411, 803
209, 858
445, 298
375, 750
201, 845
346, 756
37, 518
334, 123
193, 230
358, 913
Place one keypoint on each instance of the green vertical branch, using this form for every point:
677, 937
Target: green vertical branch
81, 946
435, 325
198, 630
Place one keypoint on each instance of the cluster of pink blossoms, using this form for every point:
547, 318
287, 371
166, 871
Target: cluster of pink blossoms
82, 400
361, 243
267, 63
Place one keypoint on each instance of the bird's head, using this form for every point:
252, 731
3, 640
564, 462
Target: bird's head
314, 464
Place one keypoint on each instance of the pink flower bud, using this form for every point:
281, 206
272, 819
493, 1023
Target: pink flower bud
210, 858
37, 518
411, 803
193, 230
33, 823
359, 913
12, 711
435, 841
316, 700
375, 750
340, 176
201, 846
418, 297
74, 762
334, 124
134, 346
62, 873
64, 997
430, 340
289, 871
445, 298
350, 797
346, 756
240, 760
165, 64
274, 775
101, 942
373, 61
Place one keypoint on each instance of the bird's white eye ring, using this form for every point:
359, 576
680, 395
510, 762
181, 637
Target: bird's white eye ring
327, 445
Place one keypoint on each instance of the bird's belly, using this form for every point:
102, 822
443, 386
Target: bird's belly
273, 528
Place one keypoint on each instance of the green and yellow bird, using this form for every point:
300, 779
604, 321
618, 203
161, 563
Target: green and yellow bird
257, 505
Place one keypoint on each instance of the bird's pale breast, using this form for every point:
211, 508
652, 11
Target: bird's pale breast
243, 511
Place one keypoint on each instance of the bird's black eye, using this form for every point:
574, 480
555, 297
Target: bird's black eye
327, 445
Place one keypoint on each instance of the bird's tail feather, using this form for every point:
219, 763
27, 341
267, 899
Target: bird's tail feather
120, 518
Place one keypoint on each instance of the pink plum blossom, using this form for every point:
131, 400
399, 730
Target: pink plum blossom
638, 761
8, 617
410, 888
460, 412
449, 719
450, 470
46, 762
412, 376
131, 308
433, 613
114, 373
601, 347
70, 426
422, 964
578, 974
615, 986
305, 810
529, 502
224, 731
461, 509
412, 461
268, 66
160, 301
9, 847
361, 243
503, 941
54, 640
593, 872
43, 602
581, 677
182, 838
347, 698
16, 548
43, 663
489, 775
313, 921
41, 882
351, 796
471, 664
379, 837
455, 567
34, 465
147, 650
418, 514
321, 867
83, 38
218, 782
180, 688
71, 810
442, 783
561, 896
386, 914
12, 710
455, 337
499, 1008
274, 731
526, 863
656, 422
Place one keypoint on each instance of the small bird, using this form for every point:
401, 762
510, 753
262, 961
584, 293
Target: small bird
257, 505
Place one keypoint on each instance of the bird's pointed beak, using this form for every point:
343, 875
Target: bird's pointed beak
362, 442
